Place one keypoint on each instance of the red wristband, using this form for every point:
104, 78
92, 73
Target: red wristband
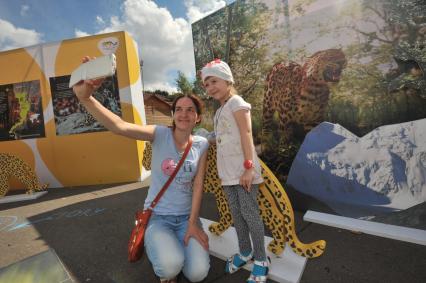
248, 164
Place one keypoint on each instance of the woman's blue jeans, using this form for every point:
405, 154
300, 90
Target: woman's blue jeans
167, 253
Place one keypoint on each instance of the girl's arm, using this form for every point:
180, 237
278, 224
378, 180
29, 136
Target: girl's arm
193, 229
243, 119
108, 119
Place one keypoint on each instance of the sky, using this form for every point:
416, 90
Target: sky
162, 29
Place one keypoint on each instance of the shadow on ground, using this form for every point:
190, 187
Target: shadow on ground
90, 236
89, 227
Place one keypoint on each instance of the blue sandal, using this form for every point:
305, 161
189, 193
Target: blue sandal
259, 274
236, 262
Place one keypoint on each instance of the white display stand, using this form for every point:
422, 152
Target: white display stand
406, 234
22, 197
288, 267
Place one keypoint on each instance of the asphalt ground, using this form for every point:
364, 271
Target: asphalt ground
88, 228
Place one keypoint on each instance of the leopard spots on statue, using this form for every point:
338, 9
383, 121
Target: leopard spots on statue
275, 208
13, 166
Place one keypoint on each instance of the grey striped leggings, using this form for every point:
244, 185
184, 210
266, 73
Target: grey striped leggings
247, 221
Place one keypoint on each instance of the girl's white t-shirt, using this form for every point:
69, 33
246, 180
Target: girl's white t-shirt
230, 156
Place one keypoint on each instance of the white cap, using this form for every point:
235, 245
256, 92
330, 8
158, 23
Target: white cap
217, 68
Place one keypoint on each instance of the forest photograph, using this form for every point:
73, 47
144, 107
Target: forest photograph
356, 64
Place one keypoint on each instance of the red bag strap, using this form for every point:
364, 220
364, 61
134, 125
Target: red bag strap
169, 181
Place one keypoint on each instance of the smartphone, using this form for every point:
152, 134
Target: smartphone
100, 67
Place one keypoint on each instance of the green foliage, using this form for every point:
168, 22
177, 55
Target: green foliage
210, 106
197, 87
248, 49
238, 30
256, 128
384, 81
209, 37
412, 68
183, 84
384, 41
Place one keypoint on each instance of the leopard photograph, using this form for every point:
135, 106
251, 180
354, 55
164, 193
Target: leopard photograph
299, 94
13, 166
275, 208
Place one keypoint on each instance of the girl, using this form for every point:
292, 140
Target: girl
174, 239
238, 168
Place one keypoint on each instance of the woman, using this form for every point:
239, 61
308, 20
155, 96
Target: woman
174, 239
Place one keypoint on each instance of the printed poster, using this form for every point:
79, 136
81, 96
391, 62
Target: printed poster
21, 113
70, 116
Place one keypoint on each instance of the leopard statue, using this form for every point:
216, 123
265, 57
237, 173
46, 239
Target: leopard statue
299, 94
13, 166
275, 208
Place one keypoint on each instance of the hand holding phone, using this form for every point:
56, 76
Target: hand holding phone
100, 67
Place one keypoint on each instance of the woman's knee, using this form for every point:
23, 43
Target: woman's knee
197, 272
197, 263
169, 266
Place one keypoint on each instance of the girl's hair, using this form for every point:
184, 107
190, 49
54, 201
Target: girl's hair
233, 90
199, 105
